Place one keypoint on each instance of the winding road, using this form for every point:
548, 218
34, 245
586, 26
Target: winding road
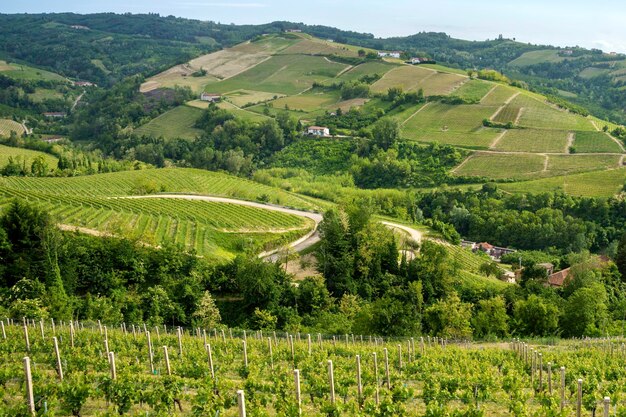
306, 241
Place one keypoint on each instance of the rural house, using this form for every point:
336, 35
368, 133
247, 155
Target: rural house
84, 84
293, 31
318, 131
211, 97
392, 54
54, 114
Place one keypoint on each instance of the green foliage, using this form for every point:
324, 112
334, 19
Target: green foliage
490, 318
354, 89
386, 133
536, 316
449, 318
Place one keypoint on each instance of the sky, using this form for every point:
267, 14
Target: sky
600, 24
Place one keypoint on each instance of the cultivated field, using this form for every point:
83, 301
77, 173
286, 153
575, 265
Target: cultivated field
25, 155
407, 77
24, 72
474, 90
282, 74
319, 47
367, 68
176, 123
7, 126
502, 166
533, 140
308, 102
587, 141
241, 98
498, 96
569, 164
537, 57
537, 114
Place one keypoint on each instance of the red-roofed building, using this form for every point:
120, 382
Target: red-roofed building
558, 279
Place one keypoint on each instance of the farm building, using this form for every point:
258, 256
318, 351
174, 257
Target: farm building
79, 27
392, 54
495, 252
557, 279
318, 131
84, 84
213, 98
54, 114
53, 139
293, 31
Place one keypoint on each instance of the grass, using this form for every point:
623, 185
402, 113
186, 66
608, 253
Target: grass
502, 166
539, 115
474, 90
537, 57
586, 142
498, 96
532, 140
567, 164
176, 123
282, 74
24, 72
7, 126
601, 184
241, 98
172, 180
367, 68
455, 125
26, 156
308, 102
42, 94
243, 114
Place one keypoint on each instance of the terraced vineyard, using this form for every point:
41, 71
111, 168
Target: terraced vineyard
7, 126
176, 123
25, 155
532, 140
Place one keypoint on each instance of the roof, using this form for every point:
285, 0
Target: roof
211, 94
485, 245
546, 265
558, 278
317, 127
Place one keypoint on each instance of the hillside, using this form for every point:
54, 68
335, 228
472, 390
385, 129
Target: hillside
506, 132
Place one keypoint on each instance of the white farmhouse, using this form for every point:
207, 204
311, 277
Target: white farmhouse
392, 54
213, 98
318, 131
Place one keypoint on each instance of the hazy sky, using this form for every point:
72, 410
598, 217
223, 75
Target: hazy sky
600, 24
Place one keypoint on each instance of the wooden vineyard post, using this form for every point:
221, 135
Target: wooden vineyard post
245, 353
26, 337
54, 330
331, 381
400, 357
532, 369
150, 352
210, 353
58, 356
112, 365
562, 387
359, 385
376, 378
30, 398
43, 336
158, 334
4, 333
72, 334
550, 378
540, 372
296, 377
180, 341
412, 349
422, 345
100, 326
241, 402
293, 351
607, 406
579, 398
387, 368
269, 345
167, 361
308, 340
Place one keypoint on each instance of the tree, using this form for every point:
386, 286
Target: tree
586, 313
620, 258
491, 318
386, 133
335, 255
207, 314
536, 316
450, 318
39, 167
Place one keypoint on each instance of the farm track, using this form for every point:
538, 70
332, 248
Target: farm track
488, 92
619, 143
546, 163
413, 115
497, 139
570, 142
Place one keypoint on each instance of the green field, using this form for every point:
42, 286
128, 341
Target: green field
27, 156
474, 90
498, 96
569, 164
407, 77
241, 98
502, 166
537, 57
537, 114
42, 94
589, 184
244, 114
587, 141
506, 114
455, 125
532, 140
309, 101
171, 180
24, 72
7, 126
319, 47
367, 68
176, 123
282, 74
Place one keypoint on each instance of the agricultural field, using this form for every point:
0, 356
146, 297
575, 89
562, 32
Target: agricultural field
24, 72
474, 90
507, 114
367, 68
176, 123
533, 140
319, 47
239, 113
171, 180
407, 77
221, 371
308, 102
243, 98
498, 96
214, 230
7, 126
537, 57
25, 155
281, 74
502, 166
587, 141
568, 164
441, 84
455, 125
589, 184
540, 115
42, 94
